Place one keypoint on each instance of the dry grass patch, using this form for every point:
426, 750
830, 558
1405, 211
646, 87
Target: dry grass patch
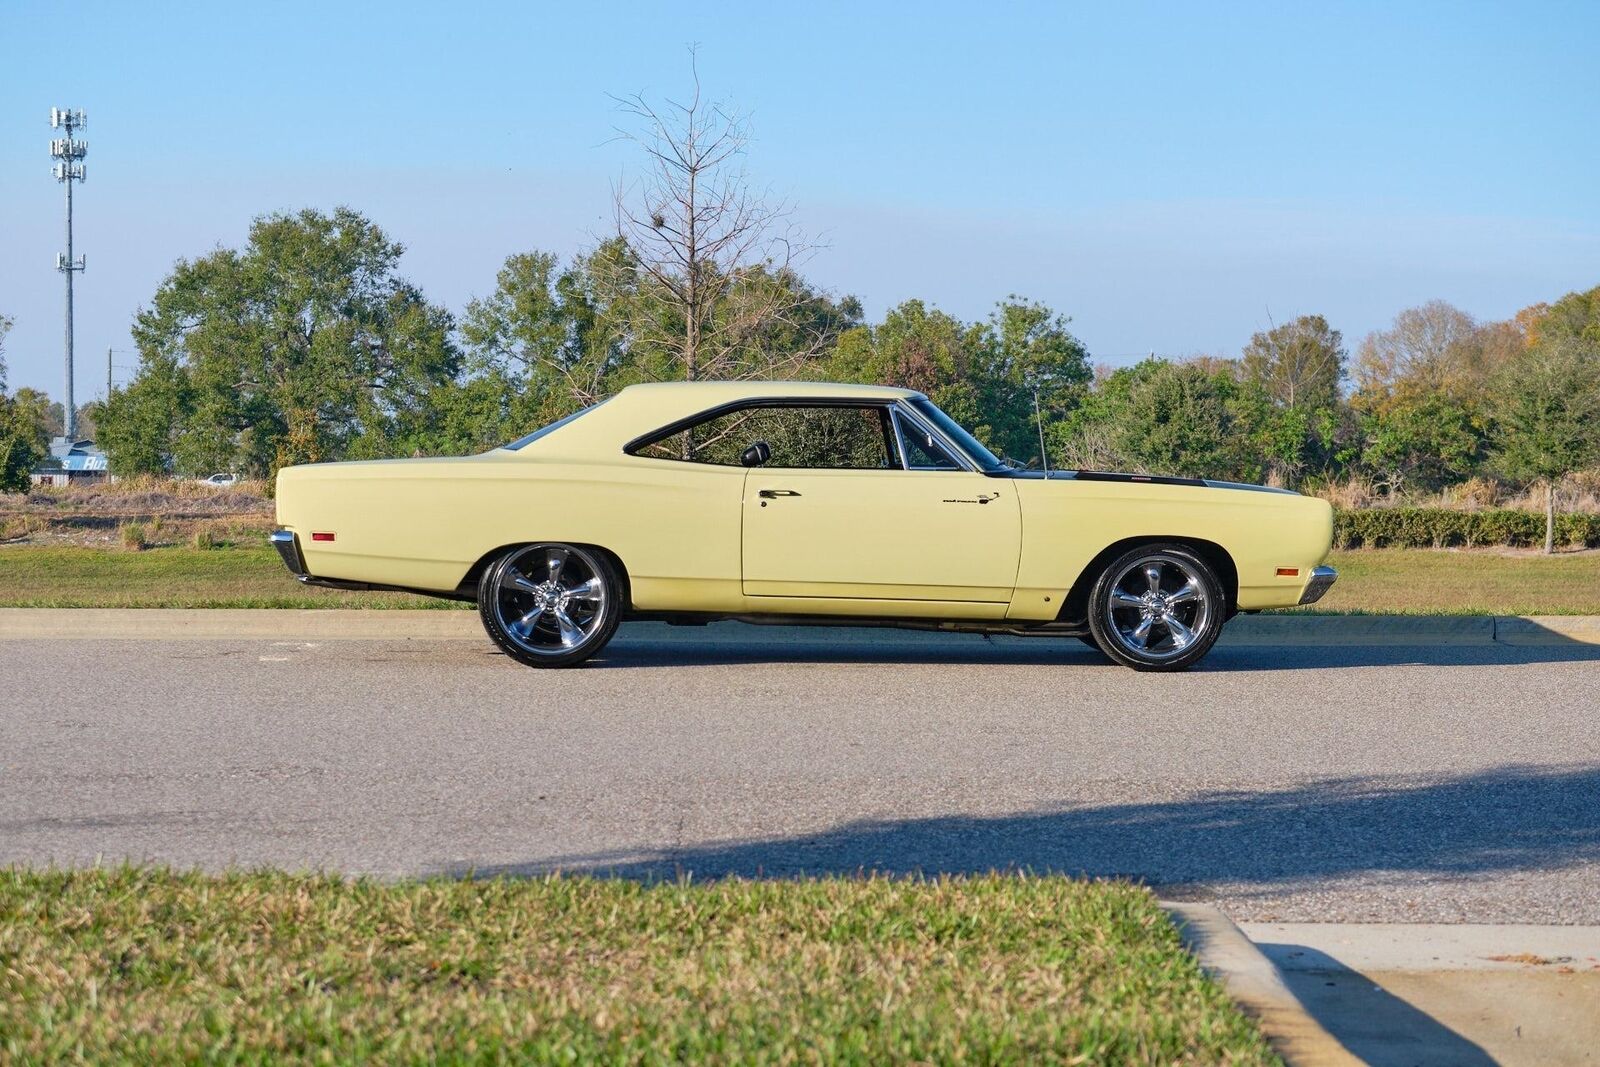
135, 965
90, 515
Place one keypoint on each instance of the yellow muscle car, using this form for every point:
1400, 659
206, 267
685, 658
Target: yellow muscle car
800, 502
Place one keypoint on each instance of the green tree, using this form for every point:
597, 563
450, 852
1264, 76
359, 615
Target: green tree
1161, 417
1547, 415
1421, 441
536, 348
1291, 376
305, 345
1180, 419
22, 439
915, 347
1023, 353
983, 374
1575, 317
141, 423
37, 412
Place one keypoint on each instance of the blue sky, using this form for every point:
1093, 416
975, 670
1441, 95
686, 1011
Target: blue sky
1171, 176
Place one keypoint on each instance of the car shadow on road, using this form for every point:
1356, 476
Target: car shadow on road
723, 644
1504, 820
1374, 1024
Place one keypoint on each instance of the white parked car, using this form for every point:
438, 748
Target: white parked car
221, 479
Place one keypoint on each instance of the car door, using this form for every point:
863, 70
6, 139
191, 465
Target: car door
848, 509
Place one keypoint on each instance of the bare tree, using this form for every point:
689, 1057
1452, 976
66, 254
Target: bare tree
710, 280
1428, 349
1299, 364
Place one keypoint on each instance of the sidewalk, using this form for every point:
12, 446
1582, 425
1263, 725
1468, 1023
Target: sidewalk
1459, 995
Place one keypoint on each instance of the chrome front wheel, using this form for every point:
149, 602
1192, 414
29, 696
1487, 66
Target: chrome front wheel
550, 605
1159, 607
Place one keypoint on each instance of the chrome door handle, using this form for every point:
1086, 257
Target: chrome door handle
770, 494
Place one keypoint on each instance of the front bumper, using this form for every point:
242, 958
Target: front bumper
1322, 579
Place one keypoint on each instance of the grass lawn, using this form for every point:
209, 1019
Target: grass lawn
1420, 581
246, 576
1411, 581
141, 965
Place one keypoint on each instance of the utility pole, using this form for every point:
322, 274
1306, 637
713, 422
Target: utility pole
108, 375
68, 152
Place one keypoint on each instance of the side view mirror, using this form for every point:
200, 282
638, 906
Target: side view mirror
756, 454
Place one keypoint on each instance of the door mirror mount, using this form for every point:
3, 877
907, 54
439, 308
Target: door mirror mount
757, 454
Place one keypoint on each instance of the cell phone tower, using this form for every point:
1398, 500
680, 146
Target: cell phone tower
68, 152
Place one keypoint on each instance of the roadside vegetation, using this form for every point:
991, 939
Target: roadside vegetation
1437, 527
248, 574
1487, 581
307, 343
141, 965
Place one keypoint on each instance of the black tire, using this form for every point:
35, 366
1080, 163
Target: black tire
1089, 640
1179, 612
564, 622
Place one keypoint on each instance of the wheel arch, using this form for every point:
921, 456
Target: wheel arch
1075, 608
468, 586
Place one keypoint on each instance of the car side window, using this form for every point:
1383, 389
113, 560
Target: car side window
922, 450
818, 437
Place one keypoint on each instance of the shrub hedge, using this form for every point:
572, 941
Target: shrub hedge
1448, 528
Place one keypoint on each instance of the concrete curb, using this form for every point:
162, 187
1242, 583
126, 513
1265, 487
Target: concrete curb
443, 625
1256, 986
1413, 629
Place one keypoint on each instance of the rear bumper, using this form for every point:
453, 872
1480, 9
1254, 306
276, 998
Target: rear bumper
1322, 579
287, 542
288, 546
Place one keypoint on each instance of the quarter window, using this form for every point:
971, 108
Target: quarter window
922, 450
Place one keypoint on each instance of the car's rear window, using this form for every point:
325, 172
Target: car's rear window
529, 439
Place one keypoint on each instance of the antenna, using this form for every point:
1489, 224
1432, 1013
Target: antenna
1038, 421
68, 152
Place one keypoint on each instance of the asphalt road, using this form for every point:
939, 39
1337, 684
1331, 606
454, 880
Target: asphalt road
1414, 784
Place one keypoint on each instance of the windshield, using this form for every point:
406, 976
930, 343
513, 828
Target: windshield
552, 428
986, 460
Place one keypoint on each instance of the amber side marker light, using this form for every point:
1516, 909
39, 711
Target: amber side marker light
1283, 572
329, 537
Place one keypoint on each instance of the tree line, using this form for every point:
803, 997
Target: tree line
307, 345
